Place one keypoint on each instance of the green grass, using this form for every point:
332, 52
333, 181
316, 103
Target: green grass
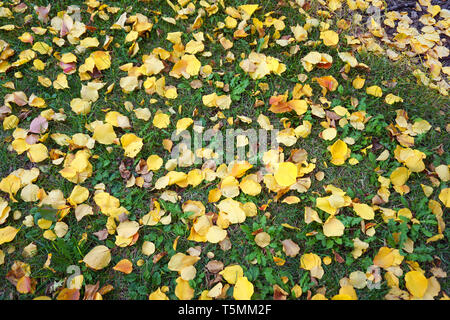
359, 181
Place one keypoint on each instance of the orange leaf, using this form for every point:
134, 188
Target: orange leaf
327, 82
69, 294
24, 285
278, 104
124, 266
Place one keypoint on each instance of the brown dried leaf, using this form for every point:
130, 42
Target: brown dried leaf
214, 266
290, 248
90, 290
102, 234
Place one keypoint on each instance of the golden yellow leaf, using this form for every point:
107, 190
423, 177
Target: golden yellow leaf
132, 144
7, 234
61, 82
102, 59
161, 120
104, 133
374, 91
183, 290
416, 283
232, 273
364, 211
286, 174
98, 258
329, 37
339, 152
333, 227
243, 289
399, 176
79, 195
158, 294
444, 196
215, 234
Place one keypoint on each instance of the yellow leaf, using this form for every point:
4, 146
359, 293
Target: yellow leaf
339, 152
291, 200
299, 106
215, 234
416, 283
444, 196
421, 126
387, 257
132, 144
329, 37
383, 156
102, 59
42, 48
286, 174
10, 184
358, 82
61, 82
127, 229
183, 124
311, 215
359, 247
297, 290
49, 235
37, 153
98, 258
104, 133
333, 227
154, 162
79, 195
89, 42
142, 113
230, 23
443, 172
243, 289
68, 57
46, 82
249, 185
183, 290
308, 261
374, 91
193, 47
129, 84
80, 106
148, 248
7, 234
187, 66
364, 211
179, 261
4, 210
232, 273
161, 120
61, 229
248, 9
342, 297
348, 58
391, 99
158, 295
290, 248
399, 176
10, 122
329, 134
